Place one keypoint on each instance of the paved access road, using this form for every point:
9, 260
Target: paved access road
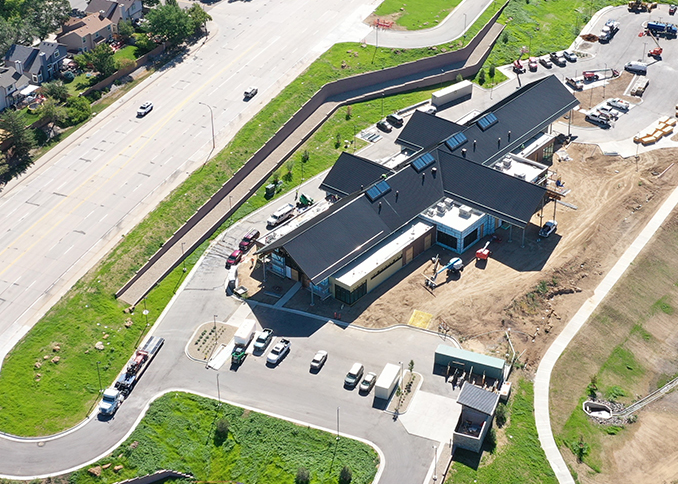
83, 195
452, 27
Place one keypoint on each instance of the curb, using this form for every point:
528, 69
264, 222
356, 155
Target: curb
414, 393
377, 477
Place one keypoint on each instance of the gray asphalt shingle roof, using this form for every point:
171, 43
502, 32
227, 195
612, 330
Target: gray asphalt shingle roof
350, 172
478, 399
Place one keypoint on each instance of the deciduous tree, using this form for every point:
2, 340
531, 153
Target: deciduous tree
47, 16
56, 90
170, 23
13, 125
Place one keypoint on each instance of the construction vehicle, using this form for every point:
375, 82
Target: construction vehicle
640, 6
662, 29
455, 266
575, 84
242, 339
138, 364
484, 253
518, 66
610, 28
657, 51
595, 74
304, 201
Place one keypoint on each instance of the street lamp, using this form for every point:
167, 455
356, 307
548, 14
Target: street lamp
435, 462
337, 423
604, 80
401, 374
101, 388
464, 26
218, 390
212, 119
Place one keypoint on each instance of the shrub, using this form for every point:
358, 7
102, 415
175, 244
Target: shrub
221, 432
459, 78
68, 76
78, 110
501, 415
492, 71
303, 476
481, 76
345, 476
125, 64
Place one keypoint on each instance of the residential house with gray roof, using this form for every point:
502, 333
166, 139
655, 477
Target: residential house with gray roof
40, 64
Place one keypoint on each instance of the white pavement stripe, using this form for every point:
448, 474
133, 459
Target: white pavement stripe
543, 377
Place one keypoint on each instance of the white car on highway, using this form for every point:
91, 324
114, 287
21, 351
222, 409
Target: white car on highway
144, 109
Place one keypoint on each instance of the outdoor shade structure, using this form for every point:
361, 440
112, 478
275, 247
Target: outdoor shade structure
468, 361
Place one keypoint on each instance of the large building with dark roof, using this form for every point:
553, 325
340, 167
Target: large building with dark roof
459, 184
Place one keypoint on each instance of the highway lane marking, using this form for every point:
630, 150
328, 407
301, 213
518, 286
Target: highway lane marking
159, 125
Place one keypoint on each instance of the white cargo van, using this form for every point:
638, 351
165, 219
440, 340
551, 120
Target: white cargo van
639, 68
284, 213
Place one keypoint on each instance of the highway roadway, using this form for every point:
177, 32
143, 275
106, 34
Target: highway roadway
80, 198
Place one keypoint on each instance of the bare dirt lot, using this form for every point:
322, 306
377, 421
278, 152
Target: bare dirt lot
540, 285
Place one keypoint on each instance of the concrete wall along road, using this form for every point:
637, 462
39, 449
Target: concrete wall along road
406, 77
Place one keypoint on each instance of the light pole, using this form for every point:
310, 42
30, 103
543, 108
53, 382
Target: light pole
212, 119
464, 27
604, 80
101, 388
337, 423
401, 374
435, 462
182, 255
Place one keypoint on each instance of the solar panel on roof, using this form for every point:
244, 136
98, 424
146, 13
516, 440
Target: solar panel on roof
455, 141
378, 190
422, 162
487, 121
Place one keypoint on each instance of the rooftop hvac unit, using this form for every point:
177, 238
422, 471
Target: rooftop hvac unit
441, 208
475, 211
520, 175
464, 211
507, 162
430, 211
449, 203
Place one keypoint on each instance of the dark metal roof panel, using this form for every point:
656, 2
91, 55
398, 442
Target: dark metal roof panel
337, 240
350, 172
478, 399
504, 196
524, 113
423, 130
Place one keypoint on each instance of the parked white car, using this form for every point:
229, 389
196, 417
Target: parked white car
278, 352
618, 103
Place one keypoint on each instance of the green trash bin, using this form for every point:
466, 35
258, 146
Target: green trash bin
270, 190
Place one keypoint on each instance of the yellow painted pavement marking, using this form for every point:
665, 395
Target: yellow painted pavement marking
420, 319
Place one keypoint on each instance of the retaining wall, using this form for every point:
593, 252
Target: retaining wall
405, 77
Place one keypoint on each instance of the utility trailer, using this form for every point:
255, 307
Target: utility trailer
138, 364
387, 381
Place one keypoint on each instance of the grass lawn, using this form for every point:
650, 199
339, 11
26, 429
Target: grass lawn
64, 392
80, 83
542, 26
417, 14
178, 433
127, 52
518, 457
29, 118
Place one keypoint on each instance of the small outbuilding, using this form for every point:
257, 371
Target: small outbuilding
477, 412
485, 370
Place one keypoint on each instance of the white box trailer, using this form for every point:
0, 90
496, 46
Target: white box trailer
387, 381
451, 93
243, 336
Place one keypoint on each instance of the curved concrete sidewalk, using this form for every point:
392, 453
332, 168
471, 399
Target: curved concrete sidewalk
452, 27
543, 377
